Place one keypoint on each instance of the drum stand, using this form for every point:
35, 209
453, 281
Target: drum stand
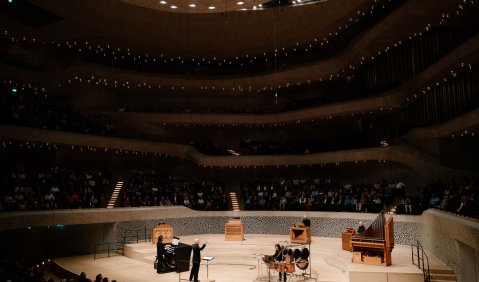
261, 276
282, 273
304, 274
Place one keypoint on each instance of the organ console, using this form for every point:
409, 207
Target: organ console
375, 244
177, 257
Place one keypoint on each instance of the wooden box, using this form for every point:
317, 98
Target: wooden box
234, 230
375, 260
357, 257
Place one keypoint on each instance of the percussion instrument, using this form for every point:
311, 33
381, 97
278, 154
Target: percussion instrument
302, 263
304, 253
268, 259
282, 267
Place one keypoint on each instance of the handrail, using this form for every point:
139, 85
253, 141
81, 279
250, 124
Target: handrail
99, 247
128, 237
422, 263
138, 234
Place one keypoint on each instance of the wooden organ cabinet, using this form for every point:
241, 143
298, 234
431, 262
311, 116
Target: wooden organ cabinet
234, 230
346, 237
375, 244
162, 229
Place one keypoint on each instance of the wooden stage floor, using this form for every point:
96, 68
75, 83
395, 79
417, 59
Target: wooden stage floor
240, 261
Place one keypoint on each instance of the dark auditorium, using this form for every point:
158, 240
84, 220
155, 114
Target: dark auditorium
239, 140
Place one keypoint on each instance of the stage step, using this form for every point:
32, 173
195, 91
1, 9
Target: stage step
441, 271
442, 275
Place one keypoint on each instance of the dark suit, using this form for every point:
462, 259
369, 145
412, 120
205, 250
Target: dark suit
361, 229
196, 260
278, 256
307, 222
160, 252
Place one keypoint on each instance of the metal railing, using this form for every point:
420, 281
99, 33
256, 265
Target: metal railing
104, 248
420, 259
145, 234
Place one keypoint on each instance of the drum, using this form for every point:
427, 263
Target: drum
285, 267
304, 253
267, 259
297, 253
302, 264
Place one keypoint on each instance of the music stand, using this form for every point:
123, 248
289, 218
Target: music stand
208, 259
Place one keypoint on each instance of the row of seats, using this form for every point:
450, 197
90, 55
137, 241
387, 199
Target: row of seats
458, 196
25, 188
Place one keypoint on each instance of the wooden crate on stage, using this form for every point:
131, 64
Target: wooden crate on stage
299, 234
357, 257
375, 260
234, 230
162, 229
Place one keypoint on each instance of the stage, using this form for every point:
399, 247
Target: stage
241, 261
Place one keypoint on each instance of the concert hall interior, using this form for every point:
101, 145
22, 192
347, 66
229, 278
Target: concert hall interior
245, 125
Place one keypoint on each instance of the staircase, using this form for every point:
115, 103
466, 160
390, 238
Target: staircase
391, 209
114, 195
442, 275
234, 202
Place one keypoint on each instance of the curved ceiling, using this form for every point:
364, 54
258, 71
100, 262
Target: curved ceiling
198, 6
188, 35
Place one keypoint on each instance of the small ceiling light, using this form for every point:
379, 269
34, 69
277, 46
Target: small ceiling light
211, 7
240, 3
173, 7
260, 5
192, 5
162, 2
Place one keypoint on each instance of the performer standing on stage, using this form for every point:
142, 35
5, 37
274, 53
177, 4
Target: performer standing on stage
361, 227
195, 268
160, 253
278, 256
306, 221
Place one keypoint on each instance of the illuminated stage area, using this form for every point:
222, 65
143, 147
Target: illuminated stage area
241, 261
